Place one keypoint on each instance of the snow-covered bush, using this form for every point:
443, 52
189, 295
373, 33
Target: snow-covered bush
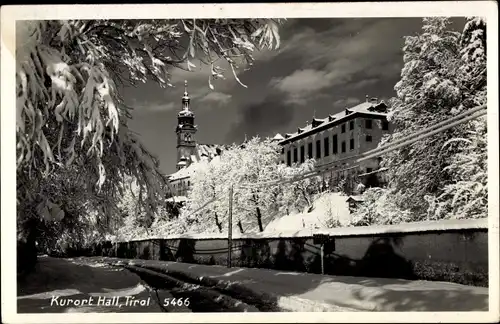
379, 208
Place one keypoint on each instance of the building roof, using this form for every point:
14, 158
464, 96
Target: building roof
177, 199
370, 107
185, 113
204, 152
355, 198
278, 137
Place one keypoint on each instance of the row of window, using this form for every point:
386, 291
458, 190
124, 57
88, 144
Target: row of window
181, 184
326, 149
368, 125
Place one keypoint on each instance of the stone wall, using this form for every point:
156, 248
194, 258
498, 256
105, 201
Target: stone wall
454, 251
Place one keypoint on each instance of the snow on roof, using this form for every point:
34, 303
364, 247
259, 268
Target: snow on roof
369, 107
318, 121
278, 137
203, 152
182, 173
185, 113
355, 198
177, 199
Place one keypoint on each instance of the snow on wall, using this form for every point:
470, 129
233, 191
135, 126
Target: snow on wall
416, 227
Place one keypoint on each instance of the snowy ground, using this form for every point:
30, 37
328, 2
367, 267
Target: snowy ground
68, 285
326, 206
294, 291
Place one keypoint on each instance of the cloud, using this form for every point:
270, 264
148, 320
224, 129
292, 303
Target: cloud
263, 118
301, 83
217, 97
364, 83
342, 54
159, 106
346, 102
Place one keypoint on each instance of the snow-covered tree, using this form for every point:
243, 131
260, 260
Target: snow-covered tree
297, 195
426, 94
259, 161
73, 144
466, 195
255, 161
442, 176
209, 182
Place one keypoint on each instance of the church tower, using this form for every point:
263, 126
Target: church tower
185, 130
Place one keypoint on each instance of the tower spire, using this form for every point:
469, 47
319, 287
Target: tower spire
185, 98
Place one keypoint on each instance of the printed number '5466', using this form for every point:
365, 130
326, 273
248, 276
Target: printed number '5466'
176, 302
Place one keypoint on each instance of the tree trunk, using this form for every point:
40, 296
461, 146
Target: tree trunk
308, 201
259, 220
219, 224
259, 214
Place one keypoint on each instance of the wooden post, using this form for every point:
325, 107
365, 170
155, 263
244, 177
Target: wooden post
230, 228
321, 239
322, 259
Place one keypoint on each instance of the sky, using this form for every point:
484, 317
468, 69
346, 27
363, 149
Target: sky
323, 65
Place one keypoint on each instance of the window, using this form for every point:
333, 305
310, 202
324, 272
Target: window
385, 125
327, 146
342, 128
335, 145
368, 138
289, 158
318, 149
302, 154
295, 155
351, 144
282, 150
351, 125
310, 150
343, 146
189, 183
368, 123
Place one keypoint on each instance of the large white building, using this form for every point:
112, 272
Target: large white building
334, 141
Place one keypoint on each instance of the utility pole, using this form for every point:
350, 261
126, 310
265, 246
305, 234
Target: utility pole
322, 258
230, 227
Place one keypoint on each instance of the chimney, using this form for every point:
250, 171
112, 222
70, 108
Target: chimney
366, 98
